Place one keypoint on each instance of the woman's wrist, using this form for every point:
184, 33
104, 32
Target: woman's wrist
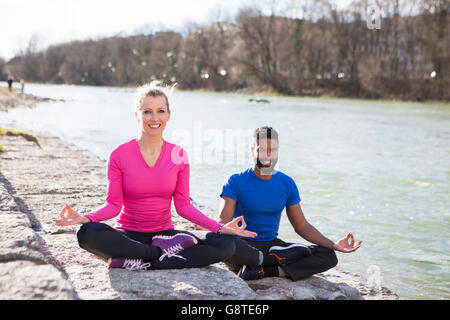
85, 220
219, 231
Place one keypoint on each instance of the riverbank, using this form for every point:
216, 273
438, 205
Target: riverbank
35, 183
10, 100
317, 94
15, 99
28, 100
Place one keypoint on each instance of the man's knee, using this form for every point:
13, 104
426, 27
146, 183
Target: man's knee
244, 254
331, 258
327, 256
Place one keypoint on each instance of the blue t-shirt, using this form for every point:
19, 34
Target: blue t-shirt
261, 201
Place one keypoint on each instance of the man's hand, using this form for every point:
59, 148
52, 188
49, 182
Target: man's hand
343, 245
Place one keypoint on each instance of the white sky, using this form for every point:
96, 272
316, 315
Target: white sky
56, 21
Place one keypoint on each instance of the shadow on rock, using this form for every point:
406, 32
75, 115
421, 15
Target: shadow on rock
209, 283
312, 288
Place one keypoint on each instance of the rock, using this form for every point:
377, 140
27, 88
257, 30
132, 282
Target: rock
25, 280
259, 100
7, 202
210, 283
19, 100
313, 288
358, 284
24, 273
18, 240
303, 294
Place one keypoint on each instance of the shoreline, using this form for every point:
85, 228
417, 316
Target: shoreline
38, 182
269, 94
246, 92
15, 99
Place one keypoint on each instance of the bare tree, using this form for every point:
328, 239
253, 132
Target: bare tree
263, 37
290, 47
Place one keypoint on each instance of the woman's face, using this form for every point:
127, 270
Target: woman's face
152, 115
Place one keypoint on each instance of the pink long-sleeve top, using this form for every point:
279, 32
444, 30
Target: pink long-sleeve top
142, 195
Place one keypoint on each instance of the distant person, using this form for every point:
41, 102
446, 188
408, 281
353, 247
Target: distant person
10, 82
260, 194
144, 175
22, 85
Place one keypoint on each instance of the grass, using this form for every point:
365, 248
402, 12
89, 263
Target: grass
6, 90
12, 132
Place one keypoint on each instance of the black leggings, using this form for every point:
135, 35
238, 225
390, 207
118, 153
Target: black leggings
107, 242
248, 252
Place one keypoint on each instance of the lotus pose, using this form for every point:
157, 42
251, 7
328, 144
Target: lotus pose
144, 175
260, 194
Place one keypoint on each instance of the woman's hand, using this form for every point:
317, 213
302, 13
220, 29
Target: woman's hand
233, 228
70, 218
343, 244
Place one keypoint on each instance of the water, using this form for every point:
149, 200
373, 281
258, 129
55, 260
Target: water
378, 169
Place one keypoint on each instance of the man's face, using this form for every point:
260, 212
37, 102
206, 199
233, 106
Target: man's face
265, 155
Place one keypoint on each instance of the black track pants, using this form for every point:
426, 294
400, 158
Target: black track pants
107, 242
248, 252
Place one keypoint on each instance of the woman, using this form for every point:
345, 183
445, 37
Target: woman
144, 174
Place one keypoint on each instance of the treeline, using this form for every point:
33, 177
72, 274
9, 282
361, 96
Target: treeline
307, 49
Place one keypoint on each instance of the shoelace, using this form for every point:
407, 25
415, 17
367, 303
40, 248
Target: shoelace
172, 252
135, 264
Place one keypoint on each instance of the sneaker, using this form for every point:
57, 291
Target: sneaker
247, 273
171, 245
129, 264
292, 253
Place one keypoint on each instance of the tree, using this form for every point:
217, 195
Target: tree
264, 37
2, 70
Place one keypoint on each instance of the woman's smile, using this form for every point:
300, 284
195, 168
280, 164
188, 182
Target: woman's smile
153, 114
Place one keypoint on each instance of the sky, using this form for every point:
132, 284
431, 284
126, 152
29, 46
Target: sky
56, 21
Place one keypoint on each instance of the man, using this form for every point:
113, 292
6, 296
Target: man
260, 194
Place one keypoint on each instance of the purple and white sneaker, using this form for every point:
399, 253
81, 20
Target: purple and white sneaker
129, 264
171, 245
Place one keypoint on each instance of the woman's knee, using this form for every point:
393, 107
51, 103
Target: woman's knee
86, 232
225, 244
228, 246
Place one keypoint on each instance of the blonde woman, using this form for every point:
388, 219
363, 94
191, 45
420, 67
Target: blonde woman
144, 175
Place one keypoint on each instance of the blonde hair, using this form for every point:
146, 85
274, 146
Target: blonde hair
156, 88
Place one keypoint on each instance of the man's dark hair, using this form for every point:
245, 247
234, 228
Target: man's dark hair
265, 132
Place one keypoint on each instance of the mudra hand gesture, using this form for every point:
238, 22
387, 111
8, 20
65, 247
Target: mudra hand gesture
233, 228
343, 245
69, 217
